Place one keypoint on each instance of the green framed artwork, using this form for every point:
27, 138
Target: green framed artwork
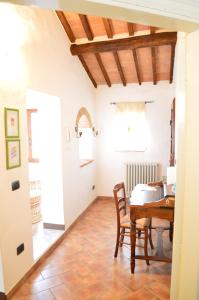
11, 123
13, 154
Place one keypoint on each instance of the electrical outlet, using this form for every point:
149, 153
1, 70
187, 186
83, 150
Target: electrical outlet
15, 185
20, 249
93, 187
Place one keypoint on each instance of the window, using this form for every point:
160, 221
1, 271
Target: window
130, 127
85, 135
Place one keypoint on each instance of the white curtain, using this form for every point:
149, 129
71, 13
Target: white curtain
130, 126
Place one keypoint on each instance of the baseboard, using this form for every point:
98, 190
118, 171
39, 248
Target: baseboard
3, 296
81, 215
105, 198
46, 254
54, 226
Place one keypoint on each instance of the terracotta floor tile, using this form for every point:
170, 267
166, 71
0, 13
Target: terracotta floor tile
61, 292
50, 272
160, 289
141, 294
35, 277
46, 295
45, 284
83, 266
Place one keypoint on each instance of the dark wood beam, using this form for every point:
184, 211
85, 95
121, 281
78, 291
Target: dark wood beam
131, 28
152, 40
119, 67
153, 55
3, 296
108, 27
99, 60
86, 27
137, 66
81, 58
172, 62
66, 26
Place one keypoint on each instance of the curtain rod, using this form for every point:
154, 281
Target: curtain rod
146, 102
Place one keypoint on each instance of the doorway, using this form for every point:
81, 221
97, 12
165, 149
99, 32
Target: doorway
45, 169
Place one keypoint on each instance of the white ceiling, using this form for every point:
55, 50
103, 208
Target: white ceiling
183, 9
179, 15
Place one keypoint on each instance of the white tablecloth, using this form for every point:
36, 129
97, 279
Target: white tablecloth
143, 193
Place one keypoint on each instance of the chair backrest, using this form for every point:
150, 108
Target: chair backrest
156, 183
120, 200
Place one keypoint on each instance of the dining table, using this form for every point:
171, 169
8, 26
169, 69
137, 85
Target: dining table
151, 202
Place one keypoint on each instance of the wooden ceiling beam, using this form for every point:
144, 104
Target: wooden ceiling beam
106, 77
137, 66
108, 27
131, 28
119, 67
153, 55
152, 40
81, 58
86, 26
172, 63
66, 26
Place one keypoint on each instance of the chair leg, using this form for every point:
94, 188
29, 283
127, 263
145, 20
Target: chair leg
139, 233
146, 244
117, 242
171, 232
150, 235
122, 237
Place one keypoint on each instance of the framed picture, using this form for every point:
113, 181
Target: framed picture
11, 123
13, 154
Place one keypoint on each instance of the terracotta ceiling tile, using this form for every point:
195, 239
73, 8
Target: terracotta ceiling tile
97, 25
119, 27
163, 60
111, 67
128, 66
75, 24
94, 68
140, 27
145, 63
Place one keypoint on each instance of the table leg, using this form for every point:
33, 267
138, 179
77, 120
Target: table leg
133, 242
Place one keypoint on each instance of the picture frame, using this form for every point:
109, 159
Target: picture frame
11, 123
13, 154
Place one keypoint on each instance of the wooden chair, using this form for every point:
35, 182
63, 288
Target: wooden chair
156, 183
162, 209
123, 221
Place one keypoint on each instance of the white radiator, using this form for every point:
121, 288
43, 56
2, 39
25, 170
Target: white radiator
140, 172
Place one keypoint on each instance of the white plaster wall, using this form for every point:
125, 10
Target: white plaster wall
43, 64
15, 218
2, 289
188, 285
110, 164
180, 152
53, 70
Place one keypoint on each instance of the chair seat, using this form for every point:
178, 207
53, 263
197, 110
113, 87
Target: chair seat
140, 224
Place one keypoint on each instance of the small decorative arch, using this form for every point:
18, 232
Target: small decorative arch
81, 113
84, 132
